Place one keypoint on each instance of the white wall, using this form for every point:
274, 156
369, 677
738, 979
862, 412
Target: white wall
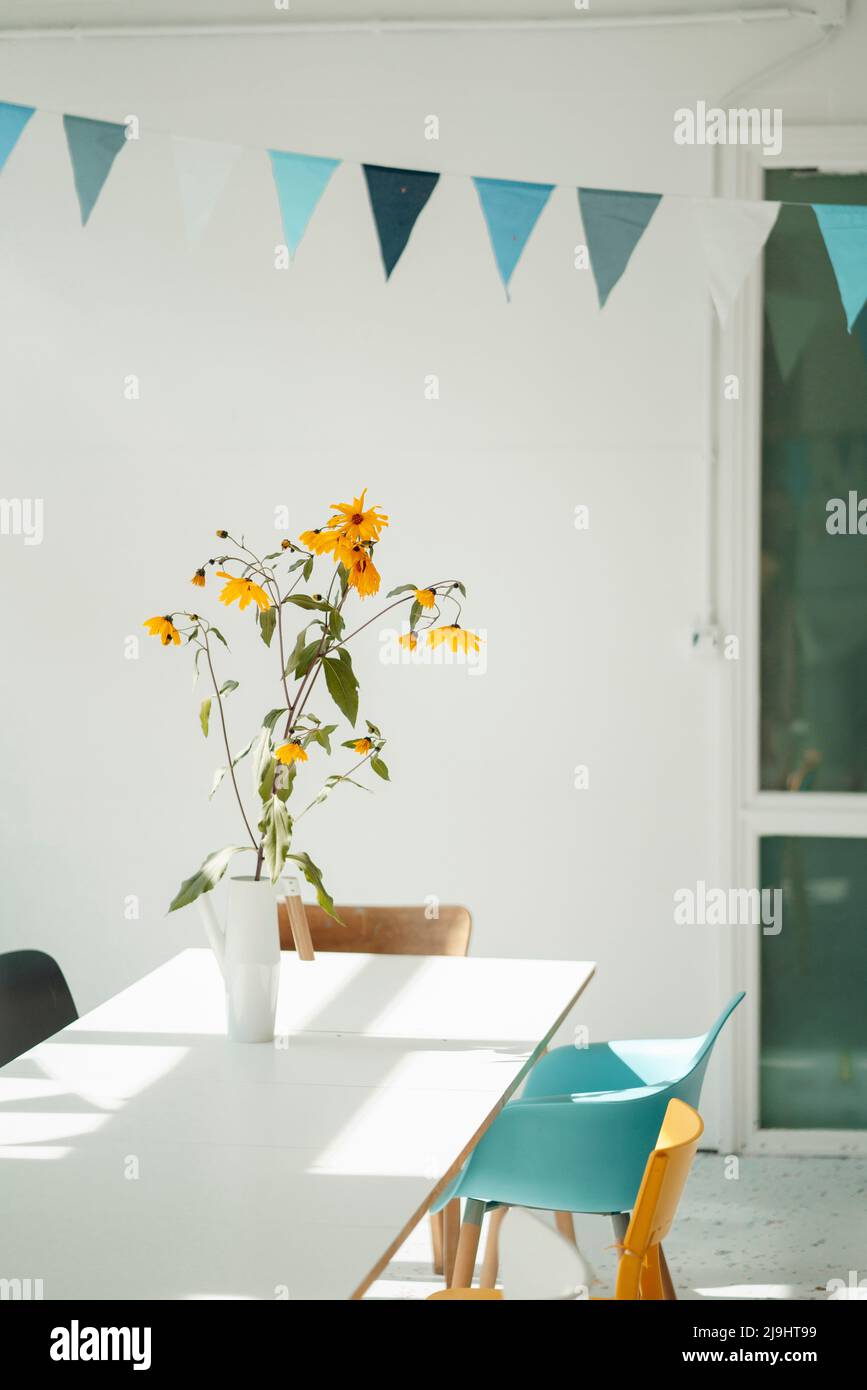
261, 388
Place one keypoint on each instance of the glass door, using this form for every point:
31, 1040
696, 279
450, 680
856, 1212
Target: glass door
812, 676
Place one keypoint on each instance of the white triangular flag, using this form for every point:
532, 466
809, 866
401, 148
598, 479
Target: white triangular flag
203, 168
732, 236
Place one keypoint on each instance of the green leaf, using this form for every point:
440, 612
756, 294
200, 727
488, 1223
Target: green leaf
271, 717
342, 687
276, 827
196, 666
204, 878
228, 686
266, 784
305, 601
297, 651
322, 736
402, 589
415, 613
218, 634
380, 769
314, 878
373, 729
335, 623
204, 716
263, 767
458, 585
343, 578
221, 771
308, 568
267, 624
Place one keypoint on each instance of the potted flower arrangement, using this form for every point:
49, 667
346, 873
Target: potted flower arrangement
271, 587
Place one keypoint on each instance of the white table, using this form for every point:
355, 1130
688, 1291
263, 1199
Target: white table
143, 1156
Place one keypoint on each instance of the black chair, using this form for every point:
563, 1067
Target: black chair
34, 1001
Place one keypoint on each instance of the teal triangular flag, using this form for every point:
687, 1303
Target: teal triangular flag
613, 225
300, 180
13, 119
397, 196
511, 211
845, 232
93, 147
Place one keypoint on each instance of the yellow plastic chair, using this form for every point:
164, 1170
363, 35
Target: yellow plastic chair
642, 1272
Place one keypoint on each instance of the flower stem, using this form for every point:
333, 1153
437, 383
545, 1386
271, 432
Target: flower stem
226, 739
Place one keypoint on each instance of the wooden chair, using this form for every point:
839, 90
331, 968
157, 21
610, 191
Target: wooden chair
386, 931
642, 1272
395, 931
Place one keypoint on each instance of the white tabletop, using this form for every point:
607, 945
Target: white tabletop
144, 1156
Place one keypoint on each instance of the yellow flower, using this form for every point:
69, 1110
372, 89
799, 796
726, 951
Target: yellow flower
408, 640
426, 597
320, 542
333, 543
363, 574
362, 745
455, 637
244, 590
164, 629
291, 753
356, 523
198, 579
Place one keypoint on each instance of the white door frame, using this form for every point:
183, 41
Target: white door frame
746, 812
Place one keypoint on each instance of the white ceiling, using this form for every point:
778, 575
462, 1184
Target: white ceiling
53, 14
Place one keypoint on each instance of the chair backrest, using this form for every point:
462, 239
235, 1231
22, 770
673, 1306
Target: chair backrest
537, 1262
391, 931
660, 1192
716, 1028
34, 1001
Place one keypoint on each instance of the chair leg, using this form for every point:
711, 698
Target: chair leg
451, 1231
468, 1244
491, 1262
436, 1239
566, 1226
650, 1282
668, 1289
620, 1222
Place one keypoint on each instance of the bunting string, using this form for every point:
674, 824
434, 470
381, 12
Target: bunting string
730, 234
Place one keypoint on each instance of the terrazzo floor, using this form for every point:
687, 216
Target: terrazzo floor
774, 1228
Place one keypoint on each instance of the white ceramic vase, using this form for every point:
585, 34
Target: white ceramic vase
247, 947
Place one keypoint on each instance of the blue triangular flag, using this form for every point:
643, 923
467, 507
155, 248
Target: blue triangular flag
300, 180
511, 211
613, 225
13, 119
845, 231
397, 196
93, 147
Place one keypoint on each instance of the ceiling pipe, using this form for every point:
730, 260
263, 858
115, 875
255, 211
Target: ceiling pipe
832, 14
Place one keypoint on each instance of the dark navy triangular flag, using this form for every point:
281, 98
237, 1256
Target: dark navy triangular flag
93, 148
613, 225
397, 196
13, 119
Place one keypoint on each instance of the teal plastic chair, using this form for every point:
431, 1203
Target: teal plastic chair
578, 1139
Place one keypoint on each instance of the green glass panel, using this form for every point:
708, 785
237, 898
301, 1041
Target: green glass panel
814, 448
813, 1013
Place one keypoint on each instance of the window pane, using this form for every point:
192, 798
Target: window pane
814, 448
813, 1014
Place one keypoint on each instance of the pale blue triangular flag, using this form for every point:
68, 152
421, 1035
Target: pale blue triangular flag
511, 211
845, 231
93, 148
203, 168
13, 119
301, 179
613, 225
